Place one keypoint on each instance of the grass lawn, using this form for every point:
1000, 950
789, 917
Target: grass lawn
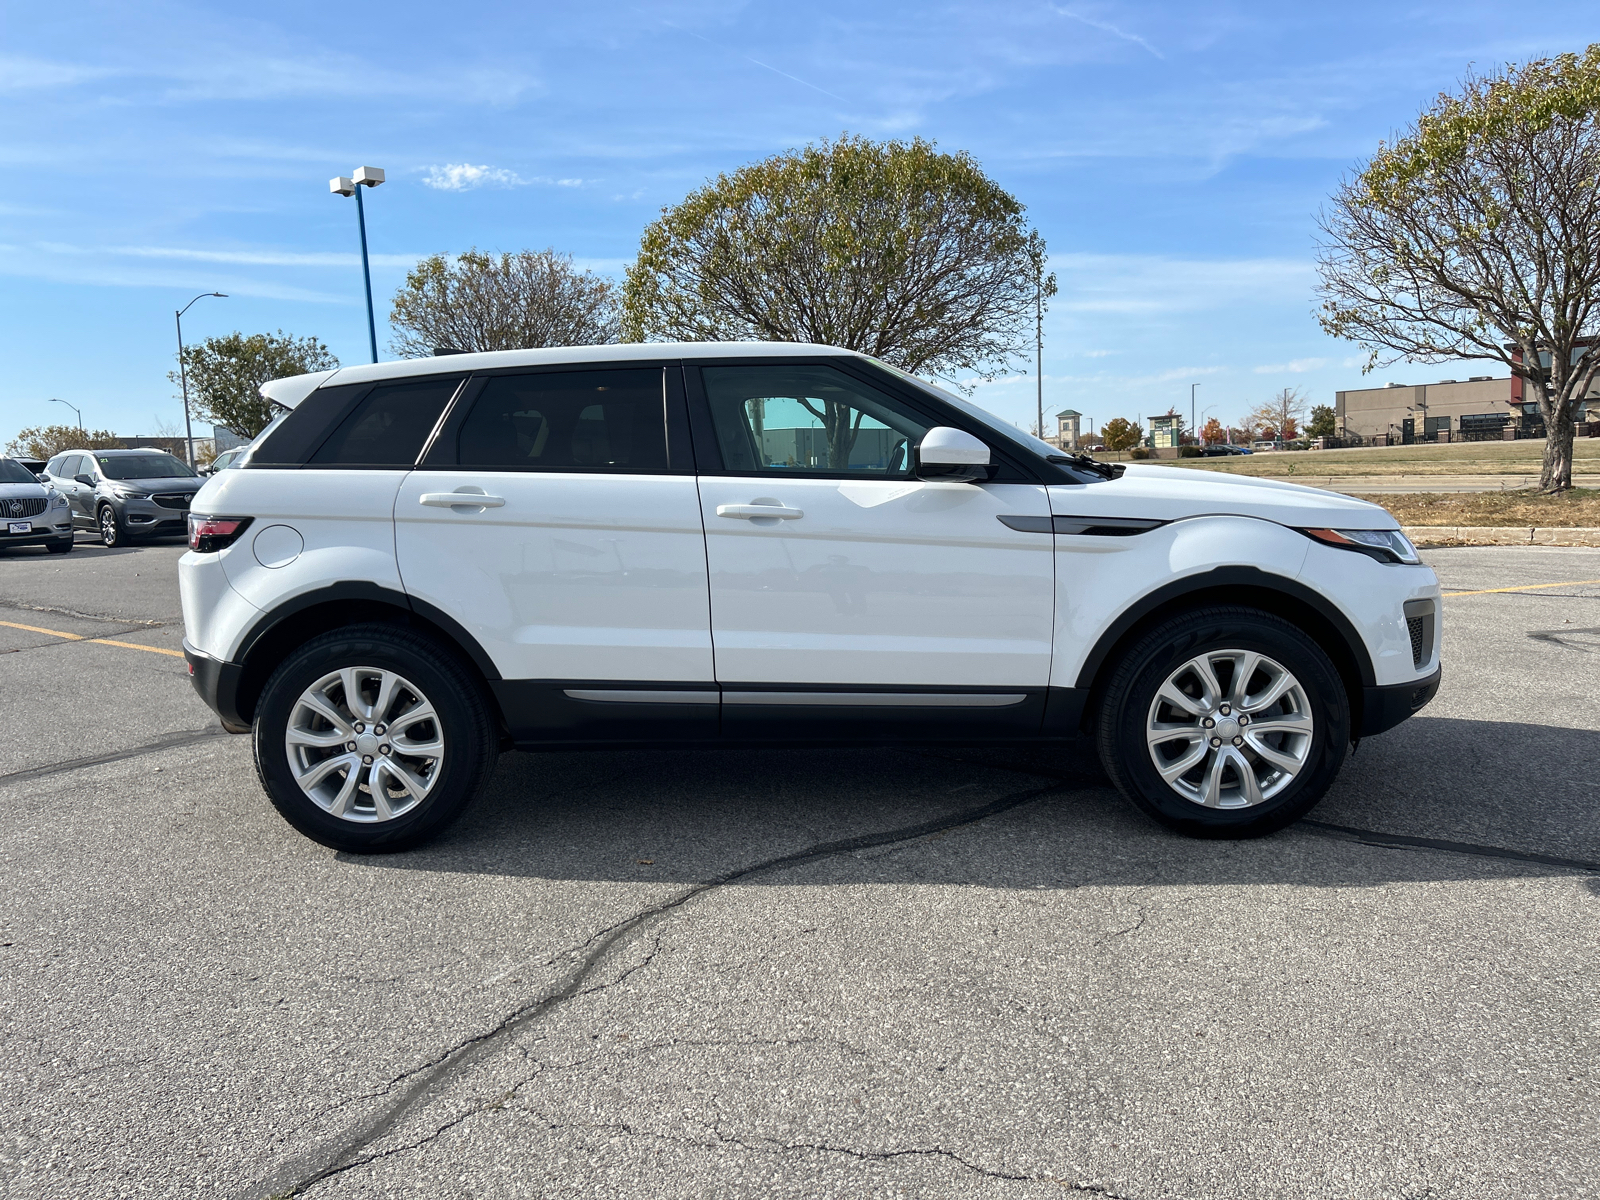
1466, 458
1579, 507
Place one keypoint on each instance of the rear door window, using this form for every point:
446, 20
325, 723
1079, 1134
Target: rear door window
594, 420
389, 426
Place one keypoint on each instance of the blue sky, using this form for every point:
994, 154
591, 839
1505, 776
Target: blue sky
1173, 155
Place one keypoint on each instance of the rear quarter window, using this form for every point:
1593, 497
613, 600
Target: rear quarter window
388, 426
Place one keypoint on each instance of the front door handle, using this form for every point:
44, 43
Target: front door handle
752, 511
461, 499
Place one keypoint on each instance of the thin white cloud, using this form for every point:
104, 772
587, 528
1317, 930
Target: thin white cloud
1107, 27
17, 73
256, 258
462, 177
1295, 366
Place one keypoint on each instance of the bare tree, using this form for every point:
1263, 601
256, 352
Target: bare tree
1477, 236
889, 248
514, 302
1280, 417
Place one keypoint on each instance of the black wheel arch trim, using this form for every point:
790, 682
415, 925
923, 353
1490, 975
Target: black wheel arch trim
1221, 580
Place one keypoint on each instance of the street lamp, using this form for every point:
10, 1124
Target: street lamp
77, 410
183, 375
1192, 431
340, 186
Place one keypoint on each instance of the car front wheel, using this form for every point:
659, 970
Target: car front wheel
1224, 722
372, 738
112, 533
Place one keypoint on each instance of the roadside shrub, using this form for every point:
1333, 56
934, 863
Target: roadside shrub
1139, 452
1188, 451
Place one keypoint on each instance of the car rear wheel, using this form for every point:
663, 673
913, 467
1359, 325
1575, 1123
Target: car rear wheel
1224, 722
112, 534
372, 739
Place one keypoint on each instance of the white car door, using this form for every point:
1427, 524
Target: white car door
575, 555
866, 591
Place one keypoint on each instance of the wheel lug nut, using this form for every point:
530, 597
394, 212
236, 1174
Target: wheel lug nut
1238, 741
1226, 710
366, 759
350, 746
378, 729
1208, 723
1243, 720
1215, 742
360, 728
384, 749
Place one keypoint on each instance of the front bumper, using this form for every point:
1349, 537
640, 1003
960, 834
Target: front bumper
148, 518
40, 535
217, 683
1385, 707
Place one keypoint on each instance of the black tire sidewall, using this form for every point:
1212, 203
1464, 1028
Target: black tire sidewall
455, 696
1126, 711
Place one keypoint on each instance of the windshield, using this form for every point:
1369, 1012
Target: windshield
14, 472
1035, 446
142, 466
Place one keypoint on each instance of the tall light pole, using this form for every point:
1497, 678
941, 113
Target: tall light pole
183, 375
1192, 432
77, 410
1038, 336
340, 186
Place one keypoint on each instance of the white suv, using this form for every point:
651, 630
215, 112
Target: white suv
422, 563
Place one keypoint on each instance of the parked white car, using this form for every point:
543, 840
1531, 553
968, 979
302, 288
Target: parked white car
421, 563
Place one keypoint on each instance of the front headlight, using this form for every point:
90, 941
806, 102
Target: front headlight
58, 501
1385, 545
124, 492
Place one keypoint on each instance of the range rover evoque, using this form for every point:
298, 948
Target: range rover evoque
421, 563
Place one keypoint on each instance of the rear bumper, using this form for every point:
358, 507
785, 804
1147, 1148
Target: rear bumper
1385, 707
217, 683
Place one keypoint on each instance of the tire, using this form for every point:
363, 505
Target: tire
112, 531
62, 547
1290, 765
376, 813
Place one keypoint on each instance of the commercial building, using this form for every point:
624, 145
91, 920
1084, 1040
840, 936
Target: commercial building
1481, 404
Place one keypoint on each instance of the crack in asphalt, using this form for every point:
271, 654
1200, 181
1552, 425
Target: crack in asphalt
82, 616
337, 1155
169, 742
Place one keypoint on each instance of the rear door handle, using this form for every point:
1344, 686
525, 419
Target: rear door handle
749, 511
462, 498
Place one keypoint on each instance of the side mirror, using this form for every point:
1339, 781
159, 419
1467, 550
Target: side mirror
86, 480
951, 455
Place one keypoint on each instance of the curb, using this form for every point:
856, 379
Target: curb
1495, 535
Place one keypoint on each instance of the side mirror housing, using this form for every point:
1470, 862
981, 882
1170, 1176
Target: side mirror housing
952, 456
86, 480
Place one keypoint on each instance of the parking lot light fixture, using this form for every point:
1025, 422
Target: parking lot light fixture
77, 410
183, 377
362, 177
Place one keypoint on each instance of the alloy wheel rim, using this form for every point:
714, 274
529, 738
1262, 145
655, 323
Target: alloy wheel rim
1229, 729
364, 744
108, 526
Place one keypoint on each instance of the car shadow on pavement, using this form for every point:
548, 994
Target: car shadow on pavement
1016, 819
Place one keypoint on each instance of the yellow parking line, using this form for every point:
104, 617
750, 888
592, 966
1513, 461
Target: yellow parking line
78, 637
136, 646
1527, 587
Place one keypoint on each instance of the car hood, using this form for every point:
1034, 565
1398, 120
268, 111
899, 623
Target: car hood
1172, 493
170, 483
22, 491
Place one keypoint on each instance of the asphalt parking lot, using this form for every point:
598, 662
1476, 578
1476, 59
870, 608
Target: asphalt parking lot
809, 974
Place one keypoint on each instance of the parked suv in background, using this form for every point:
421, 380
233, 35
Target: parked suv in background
422, 562
122, 494
32, 513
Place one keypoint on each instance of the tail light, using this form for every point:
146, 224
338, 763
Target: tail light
209, 534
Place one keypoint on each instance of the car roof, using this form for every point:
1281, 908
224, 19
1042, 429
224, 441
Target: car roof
129, 450
290, 391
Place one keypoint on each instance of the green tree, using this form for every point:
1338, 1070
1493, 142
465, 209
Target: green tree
515, 302
1476, 235
47, 441
226, 374
1323, 421
1119, 433
889, 248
